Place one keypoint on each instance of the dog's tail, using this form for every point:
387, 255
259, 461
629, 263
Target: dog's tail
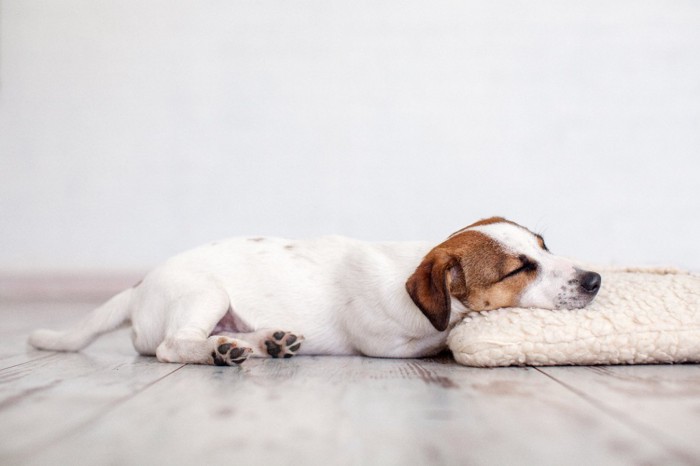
105, 318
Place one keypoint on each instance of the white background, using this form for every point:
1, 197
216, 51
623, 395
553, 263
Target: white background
130, 130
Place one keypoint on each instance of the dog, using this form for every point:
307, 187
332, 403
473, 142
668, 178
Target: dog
270, 297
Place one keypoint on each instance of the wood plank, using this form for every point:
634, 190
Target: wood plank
661, 402
352, 410
134, 410
21, 318
45, 399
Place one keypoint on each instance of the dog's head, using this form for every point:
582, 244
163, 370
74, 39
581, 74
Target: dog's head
496, 263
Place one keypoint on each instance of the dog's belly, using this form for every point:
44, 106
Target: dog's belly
324, 331
318, 341
231, 323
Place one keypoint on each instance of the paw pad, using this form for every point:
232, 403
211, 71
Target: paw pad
228, 354
283, 344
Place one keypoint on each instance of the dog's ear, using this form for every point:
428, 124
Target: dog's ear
429, 287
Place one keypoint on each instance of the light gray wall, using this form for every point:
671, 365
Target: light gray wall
130, 130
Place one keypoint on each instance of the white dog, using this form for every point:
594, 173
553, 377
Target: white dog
220, 303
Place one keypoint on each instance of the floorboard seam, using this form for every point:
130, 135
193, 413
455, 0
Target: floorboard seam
27, 362
76, 429
641, 429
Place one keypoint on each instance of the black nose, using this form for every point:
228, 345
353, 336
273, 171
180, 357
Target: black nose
590, 282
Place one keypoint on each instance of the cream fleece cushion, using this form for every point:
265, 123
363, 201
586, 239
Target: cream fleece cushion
640, 316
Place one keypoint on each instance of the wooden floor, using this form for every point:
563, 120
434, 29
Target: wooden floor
107, 405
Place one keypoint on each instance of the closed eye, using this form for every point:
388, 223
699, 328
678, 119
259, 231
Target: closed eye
526, 267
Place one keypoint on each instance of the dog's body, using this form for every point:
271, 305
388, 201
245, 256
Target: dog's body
219, 303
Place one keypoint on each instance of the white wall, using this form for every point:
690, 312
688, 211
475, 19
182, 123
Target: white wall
130, 130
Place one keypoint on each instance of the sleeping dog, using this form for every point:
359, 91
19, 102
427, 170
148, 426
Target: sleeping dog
223, 302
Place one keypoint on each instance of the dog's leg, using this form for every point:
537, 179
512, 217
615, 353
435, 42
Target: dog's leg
270, 343
191, 321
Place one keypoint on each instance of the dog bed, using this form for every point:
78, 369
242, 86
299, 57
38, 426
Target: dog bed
640, 316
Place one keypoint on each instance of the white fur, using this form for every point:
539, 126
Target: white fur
345, 296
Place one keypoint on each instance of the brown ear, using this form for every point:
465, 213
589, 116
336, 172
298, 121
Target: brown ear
429, 289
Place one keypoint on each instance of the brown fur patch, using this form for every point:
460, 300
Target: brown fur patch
490, 220
472, 267
540, 241
429, 287
485, 263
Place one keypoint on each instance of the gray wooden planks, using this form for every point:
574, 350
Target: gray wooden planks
334, 410
45, 399
20, 318
108, 405
660, 401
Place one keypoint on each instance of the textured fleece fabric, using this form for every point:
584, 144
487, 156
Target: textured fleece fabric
640, 316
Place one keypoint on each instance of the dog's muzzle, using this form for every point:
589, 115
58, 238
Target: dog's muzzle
579, 291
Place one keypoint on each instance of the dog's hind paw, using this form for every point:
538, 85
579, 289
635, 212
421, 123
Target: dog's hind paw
281, 344
229, 353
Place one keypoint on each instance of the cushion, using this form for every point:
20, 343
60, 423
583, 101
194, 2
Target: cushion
640, 316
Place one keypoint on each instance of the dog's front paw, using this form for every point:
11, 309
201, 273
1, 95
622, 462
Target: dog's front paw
228, 352
282, 344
